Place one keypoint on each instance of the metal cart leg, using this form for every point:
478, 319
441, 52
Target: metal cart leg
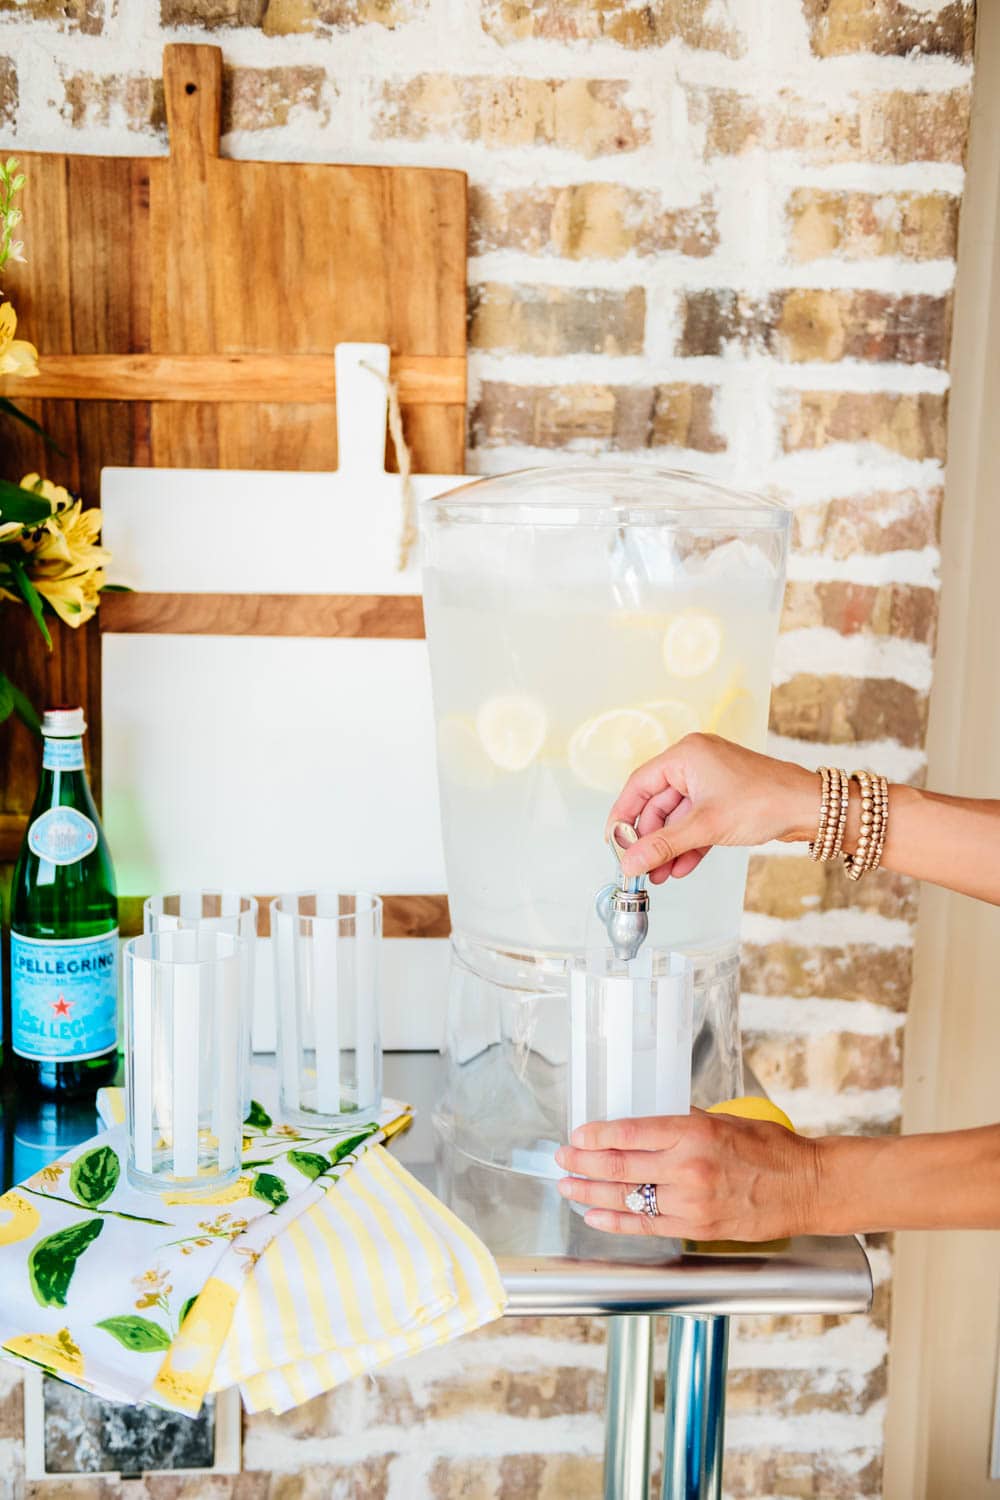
694, 1439
629, 1406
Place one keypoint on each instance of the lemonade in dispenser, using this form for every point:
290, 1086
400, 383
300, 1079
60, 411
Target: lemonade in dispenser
579, 621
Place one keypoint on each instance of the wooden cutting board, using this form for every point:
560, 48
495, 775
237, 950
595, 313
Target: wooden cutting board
186, 310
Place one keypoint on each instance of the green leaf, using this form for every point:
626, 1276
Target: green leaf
6, 698
309, 1162
141, 1335
25, 709
187, 1307
352, 1143
31, 597
258, 1116
17, 504
95, 1176
7, 406
53, 1260
270, 1189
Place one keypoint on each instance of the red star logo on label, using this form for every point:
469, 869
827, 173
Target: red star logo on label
62, 1006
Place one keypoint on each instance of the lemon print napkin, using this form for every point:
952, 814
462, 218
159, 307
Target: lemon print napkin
278, 1282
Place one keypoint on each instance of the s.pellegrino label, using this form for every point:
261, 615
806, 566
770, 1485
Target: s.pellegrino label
66, 996
64, 928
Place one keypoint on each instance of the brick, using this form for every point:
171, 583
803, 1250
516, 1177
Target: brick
856, 971
812, 1325
588, 116
783, 1475
858, 226
617, 418
251, 1486
542, 1476
87, 16
264, 98
348, 1481
557, 320
912, 424
890, 28
559, 1390
100, 99
631, 23
284, 17
849, 710
892, 127
8, 92
11, 1409
887, 521
793, 1393
810, 324
781, 885
906, 611
826, 1064
589, 221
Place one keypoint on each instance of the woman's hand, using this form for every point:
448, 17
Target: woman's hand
717, 1177
704, 791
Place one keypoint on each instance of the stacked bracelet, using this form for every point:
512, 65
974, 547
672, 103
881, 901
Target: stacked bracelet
832, 814
874, 816
834, 800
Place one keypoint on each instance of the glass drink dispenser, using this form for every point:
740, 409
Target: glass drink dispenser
579, 621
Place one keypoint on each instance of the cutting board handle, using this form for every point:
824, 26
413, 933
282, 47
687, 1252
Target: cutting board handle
192, 88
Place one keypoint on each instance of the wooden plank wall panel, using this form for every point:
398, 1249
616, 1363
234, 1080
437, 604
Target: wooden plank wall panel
195, 255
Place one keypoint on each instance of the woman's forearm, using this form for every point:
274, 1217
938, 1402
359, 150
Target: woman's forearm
950, 841
946, 1181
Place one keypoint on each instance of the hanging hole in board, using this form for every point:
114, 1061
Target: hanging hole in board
190, 88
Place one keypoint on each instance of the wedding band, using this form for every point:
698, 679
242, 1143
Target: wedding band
642, 1200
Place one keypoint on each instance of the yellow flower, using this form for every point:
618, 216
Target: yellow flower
17, 356
73, 597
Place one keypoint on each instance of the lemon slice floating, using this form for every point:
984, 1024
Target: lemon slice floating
753, 1107
735, 718
512, 729
604, 751
677, 717
692, 643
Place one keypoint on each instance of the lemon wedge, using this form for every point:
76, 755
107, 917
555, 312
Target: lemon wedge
24, 1218
241, 1188
56, 1351
691, 643
753, 1107
512, 729
461, 753
604, 751
677, 717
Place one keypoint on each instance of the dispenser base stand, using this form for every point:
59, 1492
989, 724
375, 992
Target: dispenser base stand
693, 1443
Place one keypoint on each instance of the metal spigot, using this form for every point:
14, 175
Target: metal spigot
623, 906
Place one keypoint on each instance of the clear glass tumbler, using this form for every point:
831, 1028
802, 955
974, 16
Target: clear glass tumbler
215, 911
184, 1058
326, 967
631, 1036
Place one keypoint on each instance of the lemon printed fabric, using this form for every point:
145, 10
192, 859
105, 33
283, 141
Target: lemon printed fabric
140, 1297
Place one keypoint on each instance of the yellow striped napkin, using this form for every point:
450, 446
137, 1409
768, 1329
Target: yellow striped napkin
376, 1270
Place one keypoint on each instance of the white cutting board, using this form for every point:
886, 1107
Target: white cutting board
267, 763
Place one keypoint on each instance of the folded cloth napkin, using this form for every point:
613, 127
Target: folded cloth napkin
278, 1281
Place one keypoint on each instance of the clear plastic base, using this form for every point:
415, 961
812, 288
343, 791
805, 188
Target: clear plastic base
508, 1046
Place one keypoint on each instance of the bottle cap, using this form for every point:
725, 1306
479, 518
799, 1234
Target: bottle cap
63, 723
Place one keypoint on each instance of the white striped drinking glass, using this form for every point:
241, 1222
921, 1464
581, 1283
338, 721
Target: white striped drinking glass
326, 948
184, 1058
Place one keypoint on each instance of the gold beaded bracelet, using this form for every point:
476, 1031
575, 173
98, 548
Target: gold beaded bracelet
834, 802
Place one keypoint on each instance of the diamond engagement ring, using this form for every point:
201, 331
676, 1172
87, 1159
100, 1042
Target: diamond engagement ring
642, 1200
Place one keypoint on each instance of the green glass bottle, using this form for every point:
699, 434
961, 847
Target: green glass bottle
64, 929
